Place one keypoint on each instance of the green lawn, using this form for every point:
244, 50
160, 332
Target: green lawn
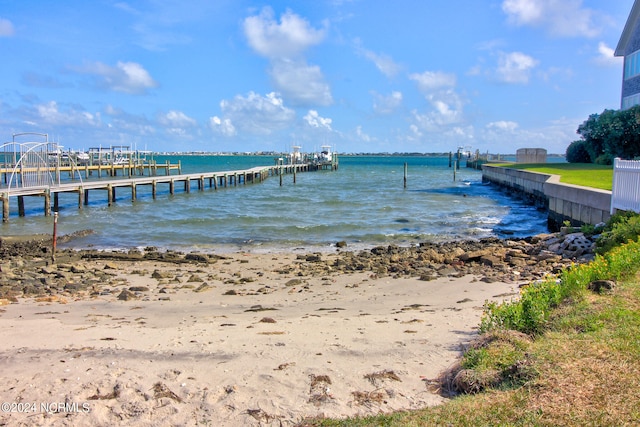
585, 174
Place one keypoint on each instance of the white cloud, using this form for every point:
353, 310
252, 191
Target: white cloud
605, 56
176, 119
222, 126
447, 110
313, 119
51, 114
432, 80
283, 44
286, 39
515, 67
386, 104
126, 77
6, 28
300, 83
177, 123
384, 63
562, 18
502, 126
554, 136
254, 114
447, 105
362, 136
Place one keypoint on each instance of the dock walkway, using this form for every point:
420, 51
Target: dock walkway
82, 188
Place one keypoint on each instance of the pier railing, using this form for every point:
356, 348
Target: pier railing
625, 194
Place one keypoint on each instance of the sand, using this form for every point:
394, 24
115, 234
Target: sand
244, 341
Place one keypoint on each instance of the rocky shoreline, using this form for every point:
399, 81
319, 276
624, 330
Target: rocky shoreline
30, 269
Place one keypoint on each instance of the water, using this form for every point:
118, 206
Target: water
363, 203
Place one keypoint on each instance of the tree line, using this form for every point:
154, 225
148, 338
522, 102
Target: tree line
605, 136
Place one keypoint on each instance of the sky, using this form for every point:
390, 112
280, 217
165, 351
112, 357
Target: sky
363, 76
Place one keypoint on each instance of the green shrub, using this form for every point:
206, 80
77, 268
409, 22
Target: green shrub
531, 312
622, 227
577, 152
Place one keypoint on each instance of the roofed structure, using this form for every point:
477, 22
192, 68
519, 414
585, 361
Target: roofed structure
629, 48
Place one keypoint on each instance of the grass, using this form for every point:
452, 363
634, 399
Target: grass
585, 174
581, 369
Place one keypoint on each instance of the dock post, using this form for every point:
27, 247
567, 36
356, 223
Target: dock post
215, 182
5, 207
133, 192
187, 185
295, 167
171, 187
450, 156
110, 195
20, 205
80, 197
47, 202
86, 197
405, 174
154, 186
455, 166
56, 205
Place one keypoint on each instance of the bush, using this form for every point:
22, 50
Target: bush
604, 159
622, 227
577, 152
531, 312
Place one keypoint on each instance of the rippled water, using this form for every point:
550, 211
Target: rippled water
363, 203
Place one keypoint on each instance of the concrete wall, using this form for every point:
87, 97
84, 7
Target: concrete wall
564, 202
531, 155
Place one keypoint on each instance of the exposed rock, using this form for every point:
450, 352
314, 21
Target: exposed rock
126, 295
602, 286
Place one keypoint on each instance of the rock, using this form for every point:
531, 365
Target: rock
474, 255
157, 274
341, 244
203, 287
197, 257
602, 286
139, 289
126, 295
293, 282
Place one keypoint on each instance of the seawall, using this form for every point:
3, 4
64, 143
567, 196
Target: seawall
563, 202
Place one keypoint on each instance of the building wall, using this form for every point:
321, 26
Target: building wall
564, 202
632, 86
531, 155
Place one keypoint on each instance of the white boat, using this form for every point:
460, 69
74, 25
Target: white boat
325, 155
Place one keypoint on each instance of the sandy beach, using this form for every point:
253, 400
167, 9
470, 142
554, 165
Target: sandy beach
244, 338
243, 341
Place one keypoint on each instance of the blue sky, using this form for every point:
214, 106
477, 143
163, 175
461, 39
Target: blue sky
361, 75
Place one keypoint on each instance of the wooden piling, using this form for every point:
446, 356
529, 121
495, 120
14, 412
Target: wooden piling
405, 174
20, 205
5, 207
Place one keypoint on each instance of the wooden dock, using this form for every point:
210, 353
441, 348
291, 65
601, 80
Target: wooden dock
109, 186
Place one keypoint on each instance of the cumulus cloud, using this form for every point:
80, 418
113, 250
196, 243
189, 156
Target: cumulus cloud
313, 119
515, 67
446, 104
502, 126
562, 18
605, 56
285, 39
432, 80
125, 77
177, 123
222, 126
255, 114
284, 43
386, 104
51, 114
6, 28
300, 83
